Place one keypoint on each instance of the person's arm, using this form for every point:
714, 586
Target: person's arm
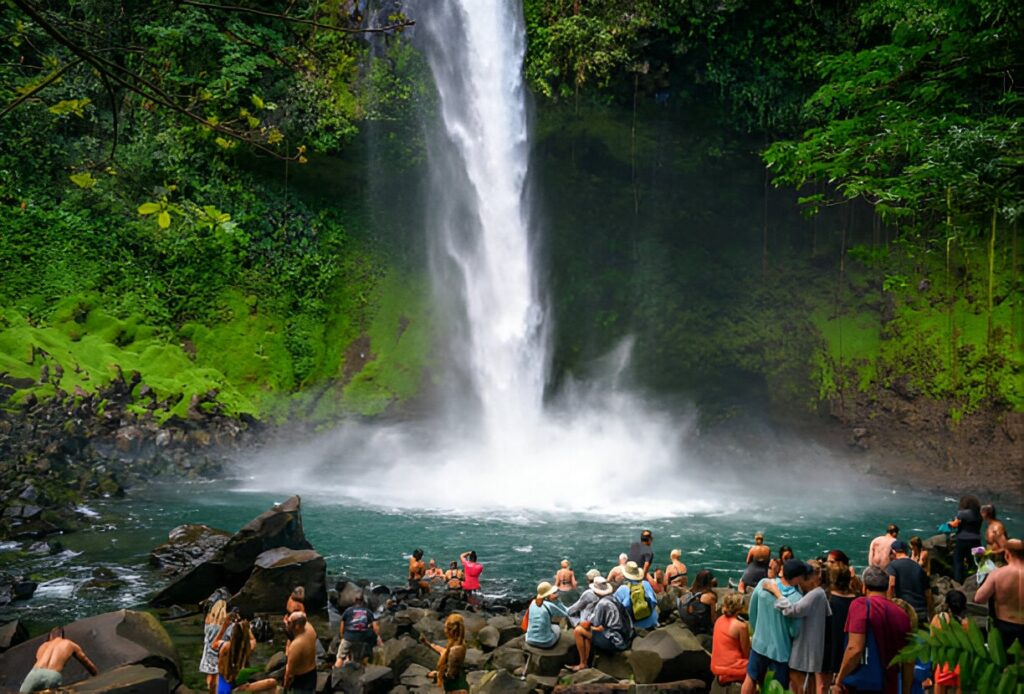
987, 589
752, 608
750, 555
572, 575
81, 657
743, 636
218, 639
577, 607
891, 591
851, 657
556, 608
375, 625
288, 665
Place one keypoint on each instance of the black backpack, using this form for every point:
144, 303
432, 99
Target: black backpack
695, 614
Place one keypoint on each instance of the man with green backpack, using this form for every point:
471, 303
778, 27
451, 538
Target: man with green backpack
638, 597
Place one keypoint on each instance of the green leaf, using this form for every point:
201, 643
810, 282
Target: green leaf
149, 208
256, 101
977, 643
83, 180
163, 219
70, 106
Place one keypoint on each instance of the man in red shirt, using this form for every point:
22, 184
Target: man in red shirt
471, 583
890, 627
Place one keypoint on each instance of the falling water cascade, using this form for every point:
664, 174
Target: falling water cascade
594, 447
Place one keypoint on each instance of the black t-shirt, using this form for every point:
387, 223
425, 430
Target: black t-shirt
970, 524
641, 554
358, 621
911, 582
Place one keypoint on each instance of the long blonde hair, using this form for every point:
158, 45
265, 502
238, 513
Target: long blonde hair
455, 630
218, 613
239, 649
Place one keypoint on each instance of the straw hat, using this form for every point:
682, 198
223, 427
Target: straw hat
632, 571
601, 586
545, 589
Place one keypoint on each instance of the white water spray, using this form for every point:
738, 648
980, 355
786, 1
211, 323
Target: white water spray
594, 447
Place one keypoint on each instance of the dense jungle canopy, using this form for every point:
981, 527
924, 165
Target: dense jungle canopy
789, 201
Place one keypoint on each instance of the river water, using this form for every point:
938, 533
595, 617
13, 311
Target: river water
518, 549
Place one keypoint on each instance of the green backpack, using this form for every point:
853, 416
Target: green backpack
641, 608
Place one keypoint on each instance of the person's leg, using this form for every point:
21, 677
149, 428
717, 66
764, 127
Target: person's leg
757, 666
781, 671
211, 684
797, 679
583, 635
822, 682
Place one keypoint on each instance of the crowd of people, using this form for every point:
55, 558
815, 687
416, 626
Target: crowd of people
817, 625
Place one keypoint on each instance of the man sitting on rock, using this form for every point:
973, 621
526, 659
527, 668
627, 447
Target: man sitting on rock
300, 666
609, 630
1005, 586
638, 597
51, 657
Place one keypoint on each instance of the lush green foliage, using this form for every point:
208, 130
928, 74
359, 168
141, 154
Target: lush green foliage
985, 665
156, 223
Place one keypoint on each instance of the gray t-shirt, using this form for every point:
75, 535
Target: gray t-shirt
912, 583
581, 610
808, 652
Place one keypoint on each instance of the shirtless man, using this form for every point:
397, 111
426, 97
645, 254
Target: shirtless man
300, 663
615, 575
434, 574
51, 657
878, 552
417, 571
995, 531
1006, 586
296, 601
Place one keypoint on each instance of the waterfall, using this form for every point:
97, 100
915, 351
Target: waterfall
479, 223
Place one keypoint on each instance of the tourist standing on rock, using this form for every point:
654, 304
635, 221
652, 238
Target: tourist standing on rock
541, 632
609, 629
730, 643
807, 658
450, 673
1005, 587
580, 610
642, 552
300, 663
359, 632
920, 555
51, 657
908, 581
841, 594
890, 627
417, 569
675, 572
215, 619
773, 632
995, 531
758, 558
565, 577
615, 575
968, 535
638, 597
472, 570
878, 551
775, 565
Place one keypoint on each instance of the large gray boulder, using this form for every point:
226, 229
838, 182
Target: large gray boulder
127, 679
110, 640
680, 653
402, 652
548, 662
232, 564
355, 678
188, 546
501, 682
275, 573
11, 634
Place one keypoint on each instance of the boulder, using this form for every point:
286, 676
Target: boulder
188, 546
590, 676
489, 638
476, 659
509, 656
431, 627
232, 564
127, 679
276, 572
347, 595
549, 662
402, 652
281, 526
354, 678
678, 651
501, 682
11, 634
110, 640
717, 688
415, 677
642, 667
508, 628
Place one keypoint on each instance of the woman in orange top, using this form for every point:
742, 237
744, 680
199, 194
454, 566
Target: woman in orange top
730, 645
